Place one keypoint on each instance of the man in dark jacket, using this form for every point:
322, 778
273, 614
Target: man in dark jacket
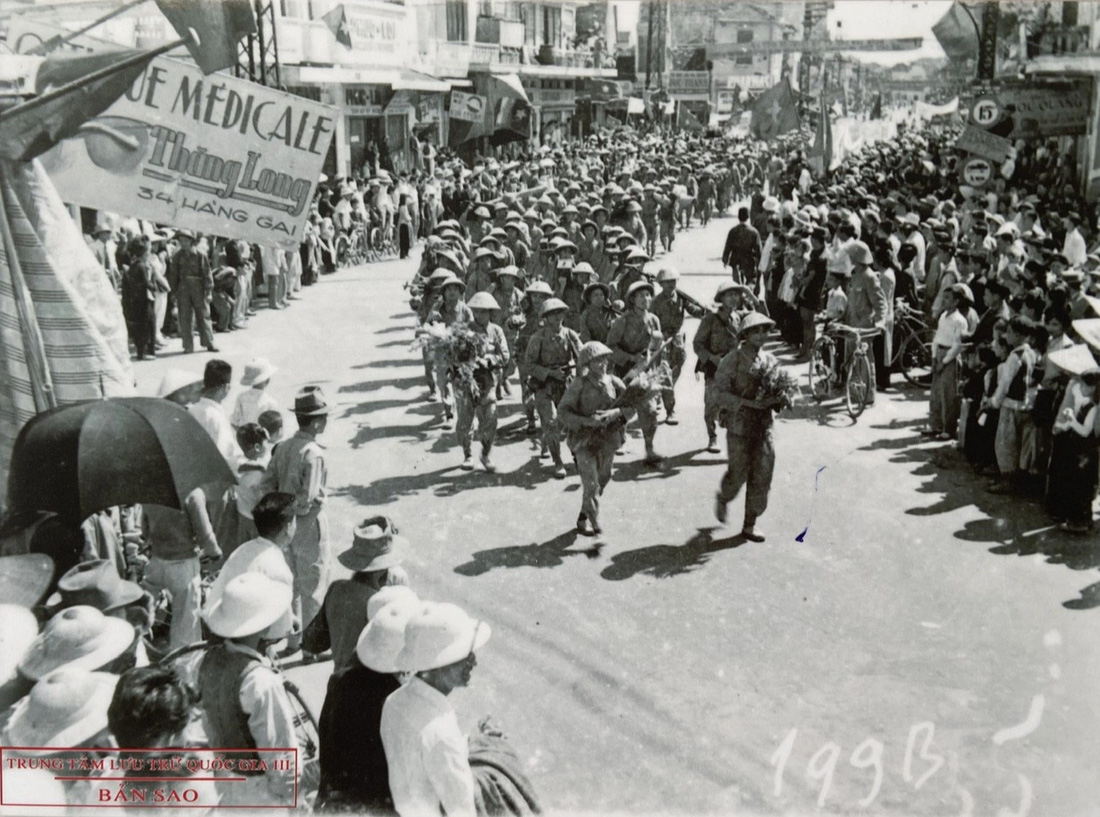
742, 252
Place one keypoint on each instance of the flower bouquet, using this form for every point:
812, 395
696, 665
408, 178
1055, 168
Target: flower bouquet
776, 383
469, 359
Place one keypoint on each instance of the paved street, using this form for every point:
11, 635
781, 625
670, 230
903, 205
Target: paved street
933, 645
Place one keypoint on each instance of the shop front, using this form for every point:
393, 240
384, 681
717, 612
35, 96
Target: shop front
554, 103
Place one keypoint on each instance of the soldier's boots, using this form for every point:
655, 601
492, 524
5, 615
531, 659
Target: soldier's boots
486, 448
559, 466
467, 459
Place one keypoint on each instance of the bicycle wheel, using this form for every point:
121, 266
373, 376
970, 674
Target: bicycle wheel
342, 250
916, 361
376, 239
821, 374
860, 385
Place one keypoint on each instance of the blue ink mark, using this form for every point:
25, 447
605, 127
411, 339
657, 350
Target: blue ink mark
818, 474
802, 536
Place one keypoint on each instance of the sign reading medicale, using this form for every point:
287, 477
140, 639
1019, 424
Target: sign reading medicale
214, 153
211, 153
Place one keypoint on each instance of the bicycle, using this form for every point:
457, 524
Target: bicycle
912, 345
352, 248
857, 377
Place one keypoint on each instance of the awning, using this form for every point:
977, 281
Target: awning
332, 75
410, 80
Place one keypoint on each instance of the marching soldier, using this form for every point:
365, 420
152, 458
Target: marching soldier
594, 425
536, 295
598, 314
483, 405
633, 337
748, 424
715, 338
669, 307
579, 278
450, 309
551, 355
509, 318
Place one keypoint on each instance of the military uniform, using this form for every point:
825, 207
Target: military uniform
630, 337
715, 338
593, 447
748, 431
448, 317
551, 351
573, 295
669, 310
192, 280
595, 323
484, 408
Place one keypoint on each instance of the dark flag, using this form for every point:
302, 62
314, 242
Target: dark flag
337, 21
212, 28
774, 112
876, 107
33, 127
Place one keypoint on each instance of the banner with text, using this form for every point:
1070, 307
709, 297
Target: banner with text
468, 107
213, 154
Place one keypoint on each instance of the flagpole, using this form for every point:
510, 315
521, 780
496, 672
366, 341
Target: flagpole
38, 370
95, 76
58, 40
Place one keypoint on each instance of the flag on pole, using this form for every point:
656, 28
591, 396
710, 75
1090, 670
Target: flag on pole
33, 127
337, 22
62, 335
774, 112
212, 28
689, 121
821, 153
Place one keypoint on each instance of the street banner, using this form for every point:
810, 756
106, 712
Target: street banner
983, 143
924, 110
1042, 111
213, 154
468, 107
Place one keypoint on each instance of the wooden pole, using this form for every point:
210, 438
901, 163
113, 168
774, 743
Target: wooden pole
95, 76
60, 40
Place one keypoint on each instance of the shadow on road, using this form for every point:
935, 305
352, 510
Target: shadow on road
666, 561
389, 330
395, 382
445, 481
637, 470
1014, 525
551, 553
369, 406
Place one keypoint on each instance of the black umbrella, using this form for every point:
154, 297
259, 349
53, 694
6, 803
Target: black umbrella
82, 458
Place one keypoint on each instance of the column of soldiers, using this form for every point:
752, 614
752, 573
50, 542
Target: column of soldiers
578, 321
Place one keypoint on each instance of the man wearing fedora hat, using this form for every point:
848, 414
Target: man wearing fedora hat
748, 423
375, 558
245, 704
426, 752
297, 467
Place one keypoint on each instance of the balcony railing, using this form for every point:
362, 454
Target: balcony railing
565, 58
485, 54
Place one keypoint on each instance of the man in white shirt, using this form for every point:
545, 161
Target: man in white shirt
216, 380
1074, 247
427, 753
276, 522
946, 346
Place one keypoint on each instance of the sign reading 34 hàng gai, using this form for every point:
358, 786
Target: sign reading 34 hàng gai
211, 153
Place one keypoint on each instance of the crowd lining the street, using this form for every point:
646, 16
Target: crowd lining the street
536, 274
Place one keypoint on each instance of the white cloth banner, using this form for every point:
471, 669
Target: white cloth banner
925, 111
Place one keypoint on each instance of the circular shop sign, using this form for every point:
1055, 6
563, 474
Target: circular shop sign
985, 112
977, 172
475, 105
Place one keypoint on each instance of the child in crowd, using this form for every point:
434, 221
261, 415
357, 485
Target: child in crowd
836, 305
255, 401
981, 420
252, 438
272, 422
1014, 397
